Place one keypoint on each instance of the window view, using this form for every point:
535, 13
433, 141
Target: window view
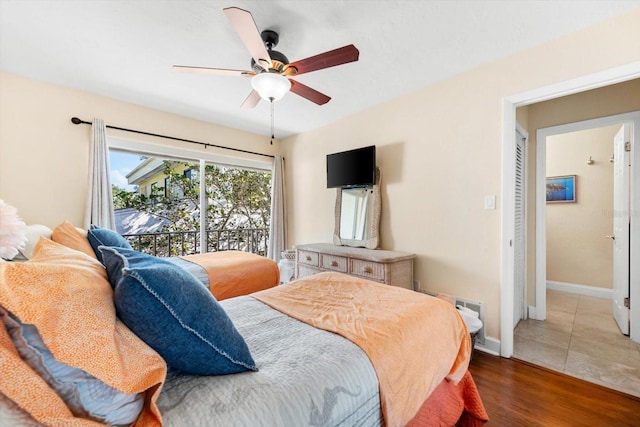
158, 207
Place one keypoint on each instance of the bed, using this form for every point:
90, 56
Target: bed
302, 365
227, 273
316, 377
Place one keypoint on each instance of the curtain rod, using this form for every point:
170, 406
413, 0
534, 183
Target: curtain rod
77, 121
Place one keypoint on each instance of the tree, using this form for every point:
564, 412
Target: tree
238, 204
123, 199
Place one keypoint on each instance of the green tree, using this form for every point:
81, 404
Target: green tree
127, 199
238, 205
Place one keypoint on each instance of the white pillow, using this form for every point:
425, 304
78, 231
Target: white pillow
33, 232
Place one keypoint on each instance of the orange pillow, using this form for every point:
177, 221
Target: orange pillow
72, 237
66, 295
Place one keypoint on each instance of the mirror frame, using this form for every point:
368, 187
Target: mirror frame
373, 229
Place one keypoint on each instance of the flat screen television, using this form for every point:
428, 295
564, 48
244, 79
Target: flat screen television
353, 168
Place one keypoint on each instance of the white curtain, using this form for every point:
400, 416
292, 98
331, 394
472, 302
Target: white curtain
99, 209
277, 230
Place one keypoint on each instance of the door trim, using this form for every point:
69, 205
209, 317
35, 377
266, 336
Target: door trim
592, 81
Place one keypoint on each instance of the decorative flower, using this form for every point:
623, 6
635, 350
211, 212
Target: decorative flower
13, 230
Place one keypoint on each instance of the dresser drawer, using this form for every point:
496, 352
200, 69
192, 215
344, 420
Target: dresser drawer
368, 269
308, 258
333, 262
390, 267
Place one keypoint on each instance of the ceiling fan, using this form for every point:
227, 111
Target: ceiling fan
271, 71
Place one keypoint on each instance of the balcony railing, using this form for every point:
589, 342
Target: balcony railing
177, 243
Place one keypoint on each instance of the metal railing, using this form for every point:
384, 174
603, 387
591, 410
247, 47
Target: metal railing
177, 243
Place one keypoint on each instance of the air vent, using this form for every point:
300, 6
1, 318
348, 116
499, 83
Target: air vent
477, 306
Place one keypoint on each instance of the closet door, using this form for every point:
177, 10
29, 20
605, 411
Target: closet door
519, 237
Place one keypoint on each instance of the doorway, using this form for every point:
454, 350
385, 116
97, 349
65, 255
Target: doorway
625, 121
605, 78
579, 335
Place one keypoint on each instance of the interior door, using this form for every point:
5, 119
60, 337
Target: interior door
620, 237
519, 258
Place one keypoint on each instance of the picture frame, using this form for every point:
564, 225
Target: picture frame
561, 189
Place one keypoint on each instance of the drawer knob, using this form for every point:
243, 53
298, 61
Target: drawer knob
334, 263
308, 258
368, 270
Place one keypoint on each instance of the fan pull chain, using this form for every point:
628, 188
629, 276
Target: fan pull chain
272, 131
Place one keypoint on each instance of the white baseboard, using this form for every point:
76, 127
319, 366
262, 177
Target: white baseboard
532, 311
491, 345
592, 291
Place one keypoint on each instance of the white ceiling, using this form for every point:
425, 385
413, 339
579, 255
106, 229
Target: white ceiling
125, 49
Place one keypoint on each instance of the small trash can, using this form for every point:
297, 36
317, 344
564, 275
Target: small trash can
474, 324
287, 266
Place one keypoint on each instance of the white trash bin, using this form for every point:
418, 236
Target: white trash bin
287, 266
472, 320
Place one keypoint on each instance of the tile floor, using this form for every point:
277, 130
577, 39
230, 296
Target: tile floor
581, 339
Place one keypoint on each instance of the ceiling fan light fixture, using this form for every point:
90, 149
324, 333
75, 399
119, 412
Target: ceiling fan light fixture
271, 86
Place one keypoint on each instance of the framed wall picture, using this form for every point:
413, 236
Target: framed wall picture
561, 189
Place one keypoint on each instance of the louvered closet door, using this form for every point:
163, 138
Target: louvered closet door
519, 238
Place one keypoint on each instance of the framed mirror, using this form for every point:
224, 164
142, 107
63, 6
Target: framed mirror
357, 216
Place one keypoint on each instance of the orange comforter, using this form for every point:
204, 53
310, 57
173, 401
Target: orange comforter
414, 341
235, 273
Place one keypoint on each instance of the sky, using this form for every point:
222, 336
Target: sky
121, 164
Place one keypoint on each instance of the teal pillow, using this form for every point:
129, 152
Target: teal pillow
175, 314
104, 237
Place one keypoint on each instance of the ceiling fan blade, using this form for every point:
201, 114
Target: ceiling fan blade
215, 71
308, 93
251, 100
342, 55
246, 27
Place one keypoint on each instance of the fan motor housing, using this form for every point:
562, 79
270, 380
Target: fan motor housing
278, 59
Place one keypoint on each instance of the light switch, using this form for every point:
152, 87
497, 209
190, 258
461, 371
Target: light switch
490, 202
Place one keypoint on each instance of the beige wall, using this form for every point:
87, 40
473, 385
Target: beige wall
577, 251
440, 151
607, 101
44, 157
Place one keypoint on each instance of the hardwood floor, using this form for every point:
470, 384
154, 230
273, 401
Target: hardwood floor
516, 393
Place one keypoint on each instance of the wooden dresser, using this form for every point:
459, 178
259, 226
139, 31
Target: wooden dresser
390, 267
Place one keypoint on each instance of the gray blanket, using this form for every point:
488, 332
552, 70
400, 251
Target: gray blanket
306, 377
193, 268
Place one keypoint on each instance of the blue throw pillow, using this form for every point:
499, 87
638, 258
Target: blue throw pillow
104, 237
170, 310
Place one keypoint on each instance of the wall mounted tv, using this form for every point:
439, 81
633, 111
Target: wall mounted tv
353, 168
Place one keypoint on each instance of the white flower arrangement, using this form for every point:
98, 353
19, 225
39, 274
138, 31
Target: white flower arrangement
13, 231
